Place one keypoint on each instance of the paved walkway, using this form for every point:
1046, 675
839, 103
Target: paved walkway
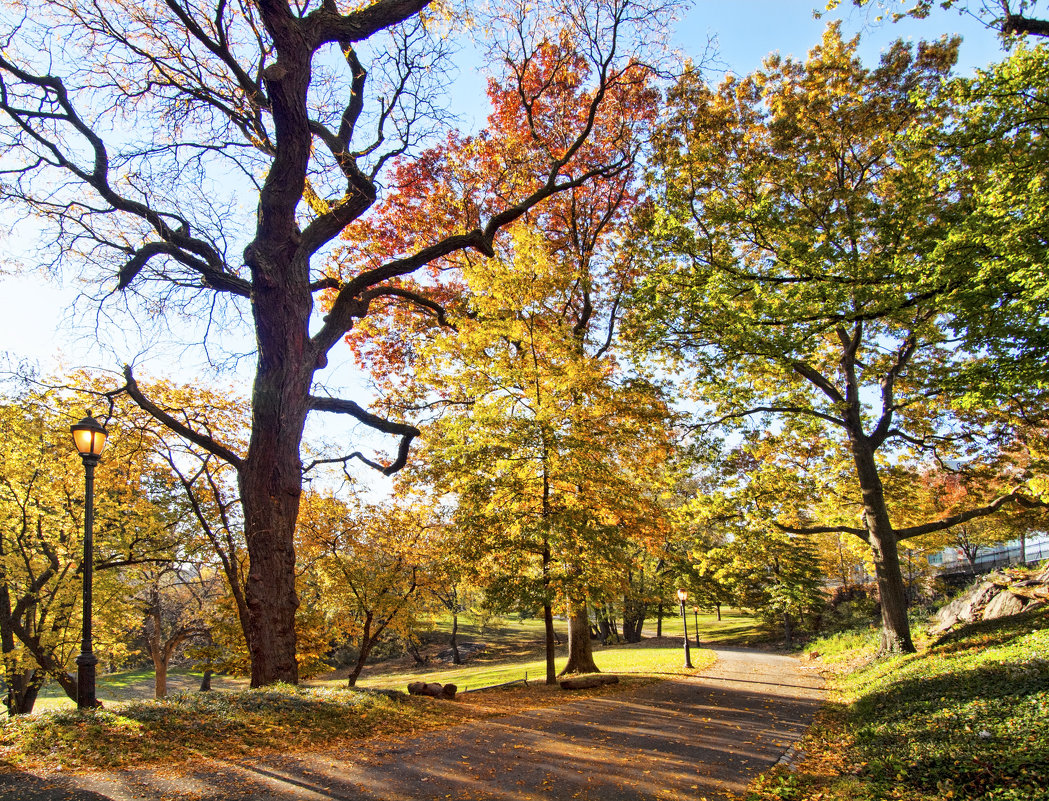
696, 738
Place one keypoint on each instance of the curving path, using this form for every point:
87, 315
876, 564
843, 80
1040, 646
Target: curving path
697, 738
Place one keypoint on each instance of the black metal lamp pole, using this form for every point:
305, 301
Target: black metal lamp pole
90, 438
682, 595
695, 613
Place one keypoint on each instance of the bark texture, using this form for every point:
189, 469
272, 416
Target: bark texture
580, 650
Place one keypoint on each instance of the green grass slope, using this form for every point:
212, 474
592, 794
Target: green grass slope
967, 718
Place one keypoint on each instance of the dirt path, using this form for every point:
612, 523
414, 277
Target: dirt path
679, 739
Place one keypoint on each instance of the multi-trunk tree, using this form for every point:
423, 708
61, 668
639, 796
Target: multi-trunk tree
197, 161
799, 268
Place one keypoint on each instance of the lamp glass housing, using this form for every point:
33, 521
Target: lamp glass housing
682, 594
89, 436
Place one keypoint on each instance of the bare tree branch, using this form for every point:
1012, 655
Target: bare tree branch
202, 440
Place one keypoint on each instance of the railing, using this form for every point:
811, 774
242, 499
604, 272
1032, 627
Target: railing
993, 558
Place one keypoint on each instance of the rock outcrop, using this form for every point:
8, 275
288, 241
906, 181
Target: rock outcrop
999, 594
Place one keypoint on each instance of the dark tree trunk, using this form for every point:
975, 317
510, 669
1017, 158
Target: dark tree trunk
270, 476
659, 619
160, 677
604, 627
205, 682
456, 659
367, 641
271, 485
719, 610
788, 633
548, 612
634, 612
580, 651
548, 625
23, 686
896, 632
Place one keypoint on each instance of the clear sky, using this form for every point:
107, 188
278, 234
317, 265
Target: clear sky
34, 321
747, 30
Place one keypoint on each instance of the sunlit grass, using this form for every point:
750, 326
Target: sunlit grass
135, 685
517, 651
640, 659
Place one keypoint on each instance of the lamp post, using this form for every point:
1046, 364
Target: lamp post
695, 613
682, 596
89, 437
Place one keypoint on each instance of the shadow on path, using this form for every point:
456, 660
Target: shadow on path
678, 739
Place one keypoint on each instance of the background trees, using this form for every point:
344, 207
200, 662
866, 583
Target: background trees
41, 542
796, 269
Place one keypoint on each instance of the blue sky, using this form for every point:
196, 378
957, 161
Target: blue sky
33, 316
747, 30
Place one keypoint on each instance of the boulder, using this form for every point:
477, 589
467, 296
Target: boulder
1004, 604
433, 689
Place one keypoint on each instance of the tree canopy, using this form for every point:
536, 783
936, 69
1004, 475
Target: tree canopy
798, 270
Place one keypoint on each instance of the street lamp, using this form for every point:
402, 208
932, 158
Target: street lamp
89, 437
695, 612
682, 596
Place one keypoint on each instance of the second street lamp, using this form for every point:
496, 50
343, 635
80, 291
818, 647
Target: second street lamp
89, 437
695, 612
682, 596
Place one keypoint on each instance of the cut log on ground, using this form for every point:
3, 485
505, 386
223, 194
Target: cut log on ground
587, 682
434, 690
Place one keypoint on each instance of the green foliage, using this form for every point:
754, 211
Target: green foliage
802, 275
998, 155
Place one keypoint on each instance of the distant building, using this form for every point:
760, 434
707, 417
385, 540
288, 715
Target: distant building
952, 560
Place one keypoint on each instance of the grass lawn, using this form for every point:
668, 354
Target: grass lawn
514, 649
650, 658
135, 685
966, 718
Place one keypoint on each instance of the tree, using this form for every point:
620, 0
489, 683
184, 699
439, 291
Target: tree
774, 573
543, 444
275, 93
796, 268
368, 563
177, 602
547, 314
41, 541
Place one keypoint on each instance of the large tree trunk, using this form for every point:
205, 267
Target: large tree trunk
896, 632
580, 651
281, 304
271, 486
